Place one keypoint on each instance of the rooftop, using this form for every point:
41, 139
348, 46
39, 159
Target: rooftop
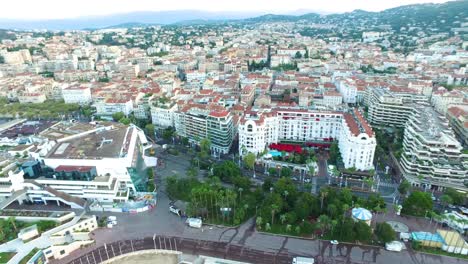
105, 143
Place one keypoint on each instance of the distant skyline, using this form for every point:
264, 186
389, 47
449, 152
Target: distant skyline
66, 9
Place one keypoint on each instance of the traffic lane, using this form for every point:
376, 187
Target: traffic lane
325, 252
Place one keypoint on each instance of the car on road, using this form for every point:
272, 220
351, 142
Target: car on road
174, 210
194, 222
307, 180
303, 260
294, 178
334, 242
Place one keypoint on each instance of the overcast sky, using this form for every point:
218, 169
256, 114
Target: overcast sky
53, 9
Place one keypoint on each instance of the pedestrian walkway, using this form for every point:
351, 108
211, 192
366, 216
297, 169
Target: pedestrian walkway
41, 242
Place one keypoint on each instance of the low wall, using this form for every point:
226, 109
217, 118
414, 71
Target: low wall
147, 256
61, 219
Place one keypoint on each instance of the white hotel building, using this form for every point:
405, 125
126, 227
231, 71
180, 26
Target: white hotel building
257, 130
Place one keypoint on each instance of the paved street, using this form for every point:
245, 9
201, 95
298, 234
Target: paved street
161, 222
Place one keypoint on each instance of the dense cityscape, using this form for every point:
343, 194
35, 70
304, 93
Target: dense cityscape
339, 138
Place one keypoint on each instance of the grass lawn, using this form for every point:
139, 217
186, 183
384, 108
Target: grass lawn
29, 256
11, 230
281, 230
438, 251
6, 256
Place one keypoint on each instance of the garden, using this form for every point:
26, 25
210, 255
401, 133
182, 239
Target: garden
10, 227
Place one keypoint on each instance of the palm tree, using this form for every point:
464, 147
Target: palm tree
323, 194
274, 209
259, 222
334, 223
324, 221
13, 222
283, 218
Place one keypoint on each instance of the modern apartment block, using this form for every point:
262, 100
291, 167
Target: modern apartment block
391, 108
257, 130
432, 156
197, 122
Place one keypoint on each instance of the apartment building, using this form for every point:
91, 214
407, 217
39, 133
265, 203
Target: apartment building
348, 89
162, 115
442, 99
432, 156
388, 107
458, 118
197, 122
77, 94
257, 130
111, 106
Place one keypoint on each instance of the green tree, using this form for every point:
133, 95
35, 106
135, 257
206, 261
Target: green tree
118, 116
150, 129
457, 197
227, 171
286, 172
205, 145
417, 204
272, 171
249, 161
298, 55
384, 232
446, 199
334, 154
363, 232
404, 187
126, 121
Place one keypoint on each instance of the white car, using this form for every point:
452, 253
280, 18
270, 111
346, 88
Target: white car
307, 180
174, 210
334, 242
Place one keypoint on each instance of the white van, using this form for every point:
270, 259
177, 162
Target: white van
303, 260
194, 222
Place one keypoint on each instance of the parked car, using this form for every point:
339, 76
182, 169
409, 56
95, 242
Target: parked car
174, 210
334, 242
307, 180
303, 260
194, 222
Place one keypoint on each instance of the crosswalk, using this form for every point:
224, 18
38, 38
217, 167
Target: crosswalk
388, 184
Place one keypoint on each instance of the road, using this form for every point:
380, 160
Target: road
160, 222
241, 243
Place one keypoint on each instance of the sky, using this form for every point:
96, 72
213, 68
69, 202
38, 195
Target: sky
59, 9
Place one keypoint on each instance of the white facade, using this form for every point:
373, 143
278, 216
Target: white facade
442, 100
111, 106
77, 95
162, 117
432, 156
356, 140
357, 144
348, 90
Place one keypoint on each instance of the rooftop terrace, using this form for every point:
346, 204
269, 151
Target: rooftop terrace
95, 145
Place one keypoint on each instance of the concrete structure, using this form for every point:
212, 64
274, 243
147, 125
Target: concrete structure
391, 108
71, 238
82, 162
197, 122
432, 156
